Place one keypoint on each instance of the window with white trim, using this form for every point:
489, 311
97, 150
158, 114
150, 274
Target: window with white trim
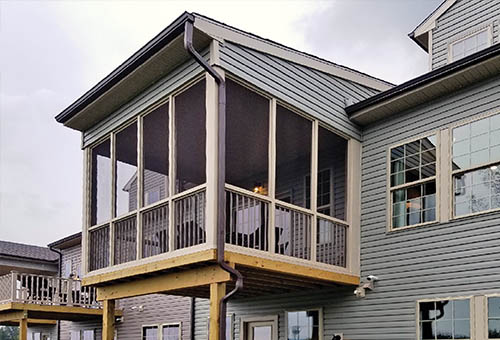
476, 166
413, 182
170, 331
469, 45
445, 319
494, 318
303, 325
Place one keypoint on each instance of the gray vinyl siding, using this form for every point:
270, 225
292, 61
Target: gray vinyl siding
464, 17
320, 95
153, 94
138, 311
45, 330
458, 258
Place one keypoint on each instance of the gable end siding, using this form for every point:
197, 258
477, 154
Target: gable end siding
464, 17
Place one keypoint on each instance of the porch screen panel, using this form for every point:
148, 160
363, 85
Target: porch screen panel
190, 137
100, 208
332, 170
247, 138
293, 156
155, 155
126, 170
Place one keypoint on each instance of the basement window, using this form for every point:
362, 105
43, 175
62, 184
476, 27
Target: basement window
445, 319
413, 182
303, 325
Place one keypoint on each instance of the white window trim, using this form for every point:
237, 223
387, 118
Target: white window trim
472, 314
487, 316
179, 324
468, 34
452, 173
270, 318
436, 178
320, 312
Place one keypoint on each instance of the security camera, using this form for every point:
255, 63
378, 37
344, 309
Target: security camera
360, 292
372, 278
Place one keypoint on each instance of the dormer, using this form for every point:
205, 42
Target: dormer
457, 29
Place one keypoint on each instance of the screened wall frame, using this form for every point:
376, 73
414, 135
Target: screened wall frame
271, 197
436, 178
452, 173
140, 208
472, 312
320, 316
469, 33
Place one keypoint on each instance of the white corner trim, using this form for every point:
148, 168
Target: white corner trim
430, 22
218, 31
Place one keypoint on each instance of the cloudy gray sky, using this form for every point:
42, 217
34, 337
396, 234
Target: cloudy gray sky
52, 52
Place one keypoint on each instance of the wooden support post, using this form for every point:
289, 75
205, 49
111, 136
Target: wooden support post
23, 329
217, 292
108, 320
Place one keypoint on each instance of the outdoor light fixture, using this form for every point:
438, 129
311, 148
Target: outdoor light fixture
258, 188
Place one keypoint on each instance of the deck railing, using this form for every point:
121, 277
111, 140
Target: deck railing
46, 290
153, 230
248, 223
253, 221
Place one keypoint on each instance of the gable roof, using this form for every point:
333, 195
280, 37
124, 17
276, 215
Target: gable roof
27, 251
145, 66
421, 33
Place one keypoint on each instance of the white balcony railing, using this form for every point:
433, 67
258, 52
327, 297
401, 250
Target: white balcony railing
46, 290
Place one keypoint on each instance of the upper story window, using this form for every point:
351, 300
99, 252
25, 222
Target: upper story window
445, 319
304, 325
476, 166
413, 182
494, 317
470, 44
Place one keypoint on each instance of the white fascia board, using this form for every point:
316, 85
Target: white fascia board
224, 33
430, 22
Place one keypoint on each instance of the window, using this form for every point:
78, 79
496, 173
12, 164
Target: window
166, 332
88, 334
36, 336
413, 182
476, 166
150, 333
303, 325
445, 319
494, 318
75, 335
471, 44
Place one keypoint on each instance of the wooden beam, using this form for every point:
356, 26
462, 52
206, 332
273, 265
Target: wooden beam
108, 320
13, 316
182, 260
41, 322
217, 292
294, 269
164, 283
55, 309
23, 329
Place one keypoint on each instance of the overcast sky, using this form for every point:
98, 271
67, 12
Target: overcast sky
52, 52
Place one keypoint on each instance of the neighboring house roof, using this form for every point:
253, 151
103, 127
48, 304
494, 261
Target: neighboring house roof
421, 32
27, 251
125, 75
437, 83
67, 241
